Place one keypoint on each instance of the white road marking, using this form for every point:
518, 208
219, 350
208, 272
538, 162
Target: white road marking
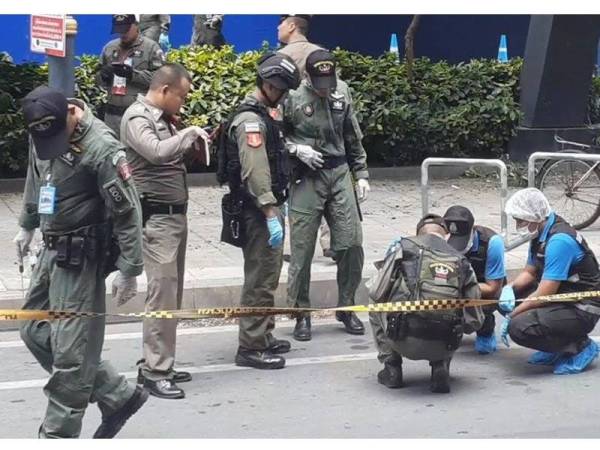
212, 368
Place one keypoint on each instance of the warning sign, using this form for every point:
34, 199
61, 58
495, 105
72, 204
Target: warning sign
48, 34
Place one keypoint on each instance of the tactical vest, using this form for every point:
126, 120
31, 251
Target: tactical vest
583, 276
228, 154
478, 259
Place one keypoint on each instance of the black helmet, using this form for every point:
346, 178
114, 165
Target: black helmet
279, 70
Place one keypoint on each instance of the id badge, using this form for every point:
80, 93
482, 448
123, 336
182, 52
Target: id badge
47, 200
119, 86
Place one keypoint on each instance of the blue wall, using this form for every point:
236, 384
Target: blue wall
451, 37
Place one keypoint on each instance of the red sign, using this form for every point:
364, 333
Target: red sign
48, 34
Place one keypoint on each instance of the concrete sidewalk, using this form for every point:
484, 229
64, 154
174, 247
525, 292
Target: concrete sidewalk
214, 272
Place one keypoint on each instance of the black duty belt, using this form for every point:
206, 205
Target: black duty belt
116, 110
97, 232
331, 162
160, 208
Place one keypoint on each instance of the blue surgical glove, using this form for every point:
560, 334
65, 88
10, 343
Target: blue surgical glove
164, 43
275, 232
507, 299
504, 331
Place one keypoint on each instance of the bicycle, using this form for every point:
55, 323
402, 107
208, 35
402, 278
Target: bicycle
572, 186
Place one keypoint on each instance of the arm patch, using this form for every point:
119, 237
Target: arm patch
119, 202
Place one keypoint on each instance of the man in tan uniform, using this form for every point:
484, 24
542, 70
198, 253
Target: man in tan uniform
155, 150
292, 32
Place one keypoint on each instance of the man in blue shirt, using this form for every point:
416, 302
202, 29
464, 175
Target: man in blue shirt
560, 261
484, 249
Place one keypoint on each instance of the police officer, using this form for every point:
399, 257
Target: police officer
292, 31
155, 150
80, 194
153, 26
252, 161
559, 261
126, 67
484, 248
325, 147
421, 268
208, 30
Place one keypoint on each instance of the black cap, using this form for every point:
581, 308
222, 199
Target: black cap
279, 70
434, 219
45, 111
459, 221
306, 17
320, 66
122, 22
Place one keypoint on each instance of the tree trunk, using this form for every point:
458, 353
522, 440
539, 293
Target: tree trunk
409, 45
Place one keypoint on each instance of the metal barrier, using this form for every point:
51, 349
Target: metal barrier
552, 155
466, 162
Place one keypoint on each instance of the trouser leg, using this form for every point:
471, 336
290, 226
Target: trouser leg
489, 322
378, 323
262, 268
342, 216
559, 328
324, 236
306, 208
164, 254
78, 373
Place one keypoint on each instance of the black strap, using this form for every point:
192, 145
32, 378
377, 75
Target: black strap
332, 162
159, 208
116, 110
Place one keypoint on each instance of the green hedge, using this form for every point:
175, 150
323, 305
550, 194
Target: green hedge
467, 109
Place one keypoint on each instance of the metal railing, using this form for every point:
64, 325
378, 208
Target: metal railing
552, 155
469, 162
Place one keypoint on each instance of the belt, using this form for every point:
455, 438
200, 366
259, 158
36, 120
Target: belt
113, 109
332, 162
98, 232
159, 208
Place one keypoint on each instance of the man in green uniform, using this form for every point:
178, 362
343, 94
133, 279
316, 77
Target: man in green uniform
126, 66
156, 151
79, 193
324, 141
424, 267
252, 161
208, 30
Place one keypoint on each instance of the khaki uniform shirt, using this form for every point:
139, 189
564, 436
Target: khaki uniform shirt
146, 57
92, 182
299, 51
155, 151
250, 132
328, 125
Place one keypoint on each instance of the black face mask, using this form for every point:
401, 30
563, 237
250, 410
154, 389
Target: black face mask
273, 103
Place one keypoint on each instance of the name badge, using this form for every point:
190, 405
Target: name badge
47, 200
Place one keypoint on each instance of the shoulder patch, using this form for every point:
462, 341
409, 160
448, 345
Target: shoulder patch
119, 160
254, 140
252, 127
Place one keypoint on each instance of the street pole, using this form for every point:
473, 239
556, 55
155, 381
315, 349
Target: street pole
62, 70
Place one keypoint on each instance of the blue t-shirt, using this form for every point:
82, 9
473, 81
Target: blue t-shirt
562, 252
494, 265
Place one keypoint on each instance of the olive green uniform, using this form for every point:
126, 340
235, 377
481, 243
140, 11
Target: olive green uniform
329, 126
151, 25
155, 151
204, 33
262, 263
92, 187
146, 57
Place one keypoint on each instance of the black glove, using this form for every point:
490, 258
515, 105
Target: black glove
106, 73
123, 70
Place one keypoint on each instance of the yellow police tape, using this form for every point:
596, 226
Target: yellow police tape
226, 312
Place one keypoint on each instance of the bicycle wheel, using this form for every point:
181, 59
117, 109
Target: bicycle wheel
571, 197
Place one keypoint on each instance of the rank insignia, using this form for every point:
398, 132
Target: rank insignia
308, 110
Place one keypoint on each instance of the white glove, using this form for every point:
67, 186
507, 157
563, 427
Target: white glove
124, 288
308, 156
363, 188
191, 134
23, 240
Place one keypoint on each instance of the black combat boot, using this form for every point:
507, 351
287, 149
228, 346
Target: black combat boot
278, 346
302, 330
112, 424
391, 375
258, 359
440, 376
351, 322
